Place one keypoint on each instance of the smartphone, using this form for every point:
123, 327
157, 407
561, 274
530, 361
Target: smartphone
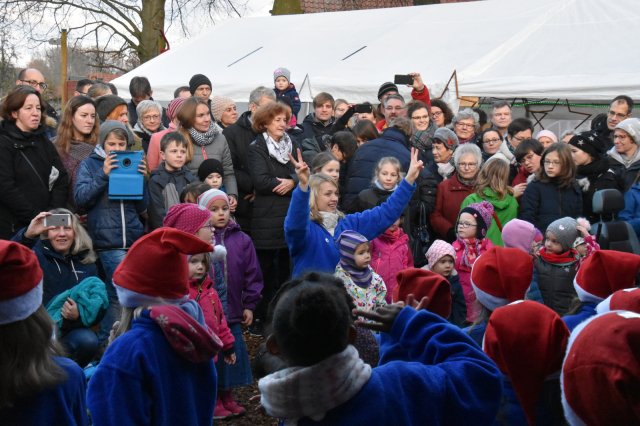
364, 108
58, 220
403, 79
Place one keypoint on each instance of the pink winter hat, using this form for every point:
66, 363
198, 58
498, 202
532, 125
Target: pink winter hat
187, 217
547, 133
520, 234
438, 250
483, 213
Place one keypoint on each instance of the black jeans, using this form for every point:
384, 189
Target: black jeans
276, 270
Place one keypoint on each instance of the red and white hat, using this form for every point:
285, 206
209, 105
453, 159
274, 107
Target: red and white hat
420, 283
156, 269
20, 282
187, 217
501, 275
627, 299
600, 379
604, 272
527, 341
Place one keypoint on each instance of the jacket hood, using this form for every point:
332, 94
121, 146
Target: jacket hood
616, 156
393, 134
231, 228
498, 203
18, 137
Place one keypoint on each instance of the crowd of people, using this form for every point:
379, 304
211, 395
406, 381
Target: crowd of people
392, 255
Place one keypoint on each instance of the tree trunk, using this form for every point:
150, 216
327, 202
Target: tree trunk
150, 37
286, 7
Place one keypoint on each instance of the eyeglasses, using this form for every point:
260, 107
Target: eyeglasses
390, 108
151, 117
617, 115
465, 225
436, 113
551, 162
492, 141
468, 165
34, 84
518, 138
420, 117
465, 125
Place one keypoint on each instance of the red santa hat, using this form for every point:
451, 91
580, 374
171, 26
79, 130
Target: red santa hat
501, 275
604, 272
526, 340
599, 381
156, 269
627, 299
20, 282
420, 283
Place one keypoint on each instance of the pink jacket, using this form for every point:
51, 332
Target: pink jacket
390, 254
207, 297
153, 152
464, 274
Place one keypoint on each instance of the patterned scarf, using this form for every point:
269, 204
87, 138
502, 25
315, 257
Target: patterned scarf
206, 138
348, 241
471, 251
297, 392
279, 150
423, 139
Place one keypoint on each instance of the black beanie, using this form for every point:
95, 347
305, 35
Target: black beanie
107, 103
208, 166
386, 88
589, 143
197, 81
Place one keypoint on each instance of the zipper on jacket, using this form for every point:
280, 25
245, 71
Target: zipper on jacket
124, 226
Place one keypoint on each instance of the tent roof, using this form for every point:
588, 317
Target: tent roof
575, 49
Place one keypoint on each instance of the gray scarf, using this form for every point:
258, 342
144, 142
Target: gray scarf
206, 138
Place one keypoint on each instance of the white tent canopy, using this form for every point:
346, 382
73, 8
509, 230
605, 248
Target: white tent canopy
569, 49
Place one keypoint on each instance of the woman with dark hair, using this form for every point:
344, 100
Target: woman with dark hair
554, 192
77, 136
207, 141
489, 142
423, 129
274, 179
32, 177
365, 130
593, 172
441, 114
36, 385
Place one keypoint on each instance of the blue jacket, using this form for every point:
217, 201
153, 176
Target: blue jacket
631, 211
142, 380
429, 373
291, 93
544, 202
476, 332
312, 247
587, 310
60, 273
392, 143
112, 224
62, 405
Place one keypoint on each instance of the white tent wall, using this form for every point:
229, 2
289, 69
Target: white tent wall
569, 49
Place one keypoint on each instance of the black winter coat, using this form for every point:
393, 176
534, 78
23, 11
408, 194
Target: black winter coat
159, 183
24, 192
239, 136
556, 284
544, 202
269, 208
594, 177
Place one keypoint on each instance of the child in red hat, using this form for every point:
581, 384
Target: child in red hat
159, 364
471, 229
37, 387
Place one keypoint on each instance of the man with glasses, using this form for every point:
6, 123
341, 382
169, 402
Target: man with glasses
393, 106
604, 124
419, 92
82, 87
34, 78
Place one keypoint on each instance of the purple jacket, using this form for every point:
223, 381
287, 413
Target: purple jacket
242, 271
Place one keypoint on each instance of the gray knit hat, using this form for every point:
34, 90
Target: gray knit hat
111, 125
447, 137
565, 231
282, 72
107, 103
632, 127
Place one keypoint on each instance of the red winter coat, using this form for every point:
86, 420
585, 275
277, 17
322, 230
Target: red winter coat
390, 254
449, 196
207, 297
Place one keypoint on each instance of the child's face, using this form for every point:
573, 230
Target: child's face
444, 266
332, 168
394, 227
174, 156
281, 83
214, 180
205, 233
467, 226
552, 165
388, 176
551, 243
340, 110
197, 266
362, 255
113, 143
219, 213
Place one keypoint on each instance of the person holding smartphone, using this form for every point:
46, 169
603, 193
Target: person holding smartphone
114, 225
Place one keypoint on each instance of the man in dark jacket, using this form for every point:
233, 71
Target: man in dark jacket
239, 136
317, 126
604, 124
140, 90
